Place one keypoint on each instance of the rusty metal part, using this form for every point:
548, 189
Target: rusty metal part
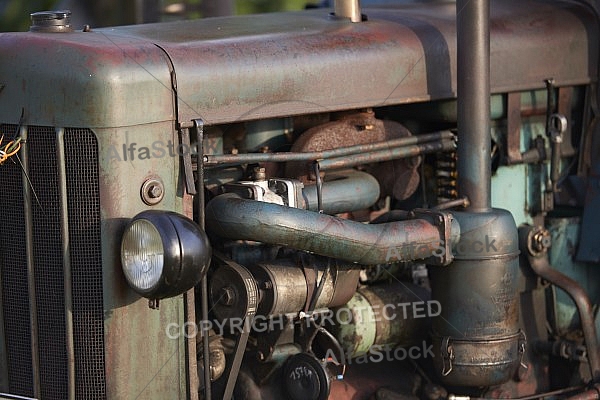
361, 381
287, 287
399, 178
387, 155
558, 125
448, 228
532, 397
446, 177
152, 191
563, 348
565, 102
541, 266
248, 158
590, 394
513, 134
234, 218
462, 202
186, 158
481, 345
473, 96
395, 45
217, 356
384, 315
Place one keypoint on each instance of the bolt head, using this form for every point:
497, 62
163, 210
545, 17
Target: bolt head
227, 296
155, 191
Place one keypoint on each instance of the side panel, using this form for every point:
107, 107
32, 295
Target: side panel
141, 360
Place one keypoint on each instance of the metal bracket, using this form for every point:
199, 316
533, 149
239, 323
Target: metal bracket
522, 347
442, 220
513, 136
447, 352
188, 173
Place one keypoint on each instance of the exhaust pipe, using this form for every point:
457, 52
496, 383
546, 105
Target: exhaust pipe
232, 217
476, 337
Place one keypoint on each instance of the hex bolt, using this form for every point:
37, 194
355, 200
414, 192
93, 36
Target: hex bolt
227, 296
152, 191
541, 240
259, 174
266, 285
155, 191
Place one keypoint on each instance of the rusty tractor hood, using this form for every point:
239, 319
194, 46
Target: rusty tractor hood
249, 67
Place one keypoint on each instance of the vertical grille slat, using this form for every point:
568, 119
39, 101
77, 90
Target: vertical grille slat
81, 153
48, 262
82, 179
13, 266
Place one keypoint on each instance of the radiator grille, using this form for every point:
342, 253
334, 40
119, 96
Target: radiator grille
82, 178
47, 256
86, 262
13, 261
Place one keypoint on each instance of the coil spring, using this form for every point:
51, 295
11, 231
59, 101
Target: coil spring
446, 175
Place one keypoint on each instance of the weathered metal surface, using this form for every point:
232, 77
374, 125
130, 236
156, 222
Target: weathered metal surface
565, 233
476, 337
399, 178
233, 69
343, 191
536, 248
473, 97
410, 53
83, 80
590, 394
291, 285
374, 322
141, 360
406, 177
231, 217
324, 154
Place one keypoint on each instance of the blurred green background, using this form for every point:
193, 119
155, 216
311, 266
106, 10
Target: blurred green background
97, 13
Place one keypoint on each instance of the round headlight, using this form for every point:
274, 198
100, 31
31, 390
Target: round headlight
142, 254
163, 254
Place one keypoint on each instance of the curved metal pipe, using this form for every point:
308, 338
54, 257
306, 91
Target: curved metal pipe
231, 217
343, 191
541, 266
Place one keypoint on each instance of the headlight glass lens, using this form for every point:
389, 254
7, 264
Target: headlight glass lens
142, 254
